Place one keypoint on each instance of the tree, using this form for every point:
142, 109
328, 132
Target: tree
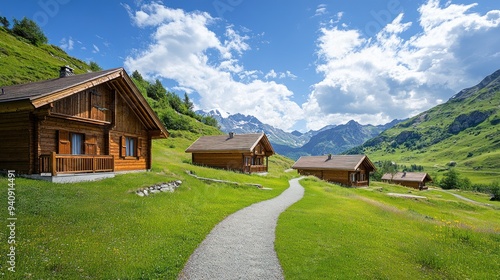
450, 180
136, 75
94, 66
29, 30
189, 105
156, 90
5, 22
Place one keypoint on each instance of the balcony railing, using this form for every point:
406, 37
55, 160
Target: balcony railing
360, 184
69, 164
255, 168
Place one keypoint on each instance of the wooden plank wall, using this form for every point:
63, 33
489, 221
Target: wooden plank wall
15, 135
85, 104
48, 134
128, 124
129, 163
337, 176
219, 160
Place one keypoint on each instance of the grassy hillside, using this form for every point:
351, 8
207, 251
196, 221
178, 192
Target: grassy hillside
465, 130
22, 62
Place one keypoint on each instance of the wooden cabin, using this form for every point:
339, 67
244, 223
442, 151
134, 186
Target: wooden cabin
416, 180
243, 152
347, 170
87, 123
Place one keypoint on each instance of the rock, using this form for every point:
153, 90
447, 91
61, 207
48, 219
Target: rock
157, 188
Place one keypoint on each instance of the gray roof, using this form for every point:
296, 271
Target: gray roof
225, 144
408, 177
42, 88
336, 162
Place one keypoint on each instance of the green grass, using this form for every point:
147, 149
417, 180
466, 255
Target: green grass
101, 230
339, 233
22, 62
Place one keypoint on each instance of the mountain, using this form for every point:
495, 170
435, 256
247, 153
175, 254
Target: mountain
239, 123
333, 139
337, 139
465, 130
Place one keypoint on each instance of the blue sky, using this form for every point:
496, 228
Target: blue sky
292, 64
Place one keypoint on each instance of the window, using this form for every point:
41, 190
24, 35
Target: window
77, 141
131, 145
353, 177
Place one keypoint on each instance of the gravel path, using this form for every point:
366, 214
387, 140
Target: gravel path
242, 245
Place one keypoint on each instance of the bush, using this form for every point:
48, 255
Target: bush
495, 191
29, 30
450, 180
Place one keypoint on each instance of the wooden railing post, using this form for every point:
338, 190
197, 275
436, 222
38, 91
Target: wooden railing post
93, 164
53, 164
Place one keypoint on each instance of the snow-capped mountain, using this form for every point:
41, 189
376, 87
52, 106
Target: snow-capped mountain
239, 123
333, 139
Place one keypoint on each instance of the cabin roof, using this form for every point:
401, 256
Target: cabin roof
408, 177
37, 94
239, 143
35, 90
336, 162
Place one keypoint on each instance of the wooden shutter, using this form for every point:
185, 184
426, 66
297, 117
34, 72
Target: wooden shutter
90, 145
123, 146
64, 145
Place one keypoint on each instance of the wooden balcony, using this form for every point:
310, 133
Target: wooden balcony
72, 164
360, 184
255, 168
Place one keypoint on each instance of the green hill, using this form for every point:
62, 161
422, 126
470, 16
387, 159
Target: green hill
22, 62
463, 132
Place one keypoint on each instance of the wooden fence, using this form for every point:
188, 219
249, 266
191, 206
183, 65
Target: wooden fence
69, 164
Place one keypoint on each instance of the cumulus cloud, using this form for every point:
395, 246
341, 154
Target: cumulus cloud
377, 79
184, 49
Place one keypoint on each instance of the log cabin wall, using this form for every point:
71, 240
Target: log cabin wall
94, 103
410, 184
337, 176
16, 149
50, 131
219, 160
127, 124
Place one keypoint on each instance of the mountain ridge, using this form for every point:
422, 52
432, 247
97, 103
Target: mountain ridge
332, 139
464, 130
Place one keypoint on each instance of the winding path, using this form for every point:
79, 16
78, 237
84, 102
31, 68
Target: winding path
242, 245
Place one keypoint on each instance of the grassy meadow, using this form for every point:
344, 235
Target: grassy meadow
340, 233
101, 230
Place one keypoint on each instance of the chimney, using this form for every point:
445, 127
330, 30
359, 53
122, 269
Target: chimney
65, 71
231, 135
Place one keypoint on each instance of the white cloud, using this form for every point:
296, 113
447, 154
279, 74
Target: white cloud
95, 49
374, 80
272, 74
184, 49
67, 44
321, 10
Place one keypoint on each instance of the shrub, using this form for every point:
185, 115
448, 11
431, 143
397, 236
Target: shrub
495, 191
450, 180
29, 30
